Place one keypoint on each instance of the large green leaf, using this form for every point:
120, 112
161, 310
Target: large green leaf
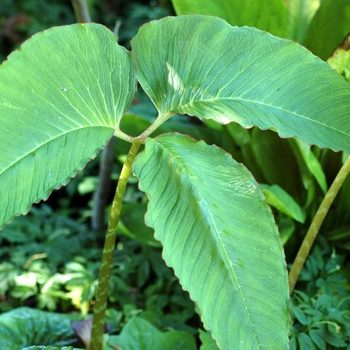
139, 334
201, 66
25, 327
62, 96
328, 28
220, 237
269, 15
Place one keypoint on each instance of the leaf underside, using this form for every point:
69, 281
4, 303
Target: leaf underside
202, 66
220, 237
62, 96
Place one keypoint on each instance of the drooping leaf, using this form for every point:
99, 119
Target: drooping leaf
62, 96
328, 28
201, 66
208, 343
312, 164
139, 334
220, 237
269, 15
24, 326
281, 200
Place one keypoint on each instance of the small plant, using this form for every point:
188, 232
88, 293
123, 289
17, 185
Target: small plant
321, 309
207, 210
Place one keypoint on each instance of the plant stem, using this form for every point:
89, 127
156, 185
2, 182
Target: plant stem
156, 124
81, 11
103, 187
104, 178
108, 250
316, 224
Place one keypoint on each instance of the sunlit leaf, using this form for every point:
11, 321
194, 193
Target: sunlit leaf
201, 66
62, 96
220, 237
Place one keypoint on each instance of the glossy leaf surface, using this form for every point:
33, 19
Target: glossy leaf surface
201, 66
62, 96
220, 237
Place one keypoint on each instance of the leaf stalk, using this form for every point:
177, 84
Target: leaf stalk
316, 224
108, 250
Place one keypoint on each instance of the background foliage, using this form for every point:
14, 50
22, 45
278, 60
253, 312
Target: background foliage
42, 264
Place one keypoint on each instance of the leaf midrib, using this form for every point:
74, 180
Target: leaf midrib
47, 142
216, 100
205, 219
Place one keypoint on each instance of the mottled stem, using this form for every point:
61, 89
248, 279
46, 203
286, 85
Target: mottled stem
108, 250
316, 224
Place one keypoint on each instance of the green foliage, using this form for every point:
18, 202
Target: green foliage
209, 214
35, 249
264, 14
139, 334
249, 89
25, 327
49, 348
43, 265
199, 221
321, 309
318, 25
60, 96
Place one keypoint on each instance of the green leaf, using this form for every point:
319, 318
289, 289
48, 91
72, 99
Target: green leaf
340, 59
305, 342
312, 164
62, 97
328, 28
208, 343
50, 348
281, 200
139, 334
25, 327
269, 15
201, 66
316, 337
132, 224
220, 237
